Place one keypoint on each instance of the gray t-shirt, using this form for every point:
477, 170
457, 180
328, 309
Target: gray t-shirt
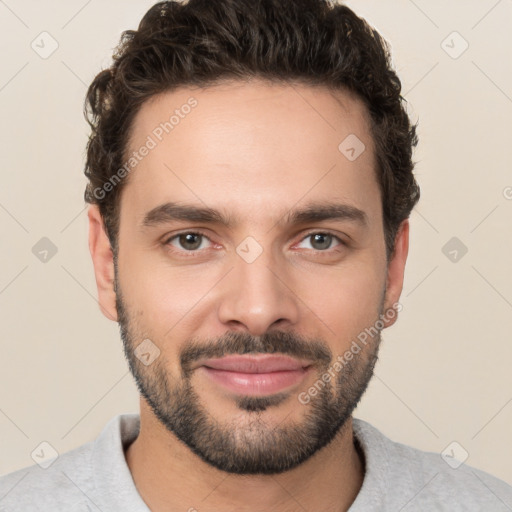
95, 478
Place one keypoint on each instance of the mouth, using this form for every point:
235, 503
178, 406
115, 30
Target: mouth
256, 375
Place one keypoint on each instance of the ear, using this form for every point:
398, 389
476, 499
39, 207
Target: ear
103, 261
396, 269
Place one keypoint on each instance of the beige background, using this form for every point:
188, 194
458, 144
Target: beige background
444, 370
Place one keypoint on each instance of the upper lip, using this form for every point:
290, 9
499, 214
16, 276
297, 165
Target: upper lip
256, 364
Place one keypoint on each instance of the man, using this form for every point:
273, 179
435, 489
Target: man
250, 181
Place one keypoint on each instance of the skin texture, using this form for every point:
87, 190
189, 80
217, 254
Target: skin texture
254, 151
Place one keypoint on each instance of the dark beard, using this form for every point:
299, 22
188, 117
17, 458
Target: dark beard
255, 447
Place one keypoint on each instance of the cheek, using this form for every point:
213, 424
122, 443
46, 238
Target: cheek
167, 297
144, 279
345, 301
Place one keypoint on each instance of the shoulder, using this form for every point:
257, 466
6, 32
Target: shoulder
407, 477
74, 481
43, 488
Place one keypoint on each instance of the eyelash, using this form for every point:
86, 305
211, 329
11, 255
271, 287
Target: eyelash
194, 253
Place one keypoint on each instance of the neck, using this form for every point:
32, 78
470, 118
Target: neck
168, 475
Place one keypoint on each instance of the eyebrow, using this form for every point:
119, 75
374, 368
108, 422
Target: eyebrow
312, 212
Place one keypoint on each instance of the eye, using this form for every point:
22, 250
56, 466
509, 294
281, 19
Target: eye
193, 241
322, 240
189, 241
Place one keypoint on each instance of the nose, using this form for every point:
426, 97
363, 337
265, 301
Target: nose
257, 296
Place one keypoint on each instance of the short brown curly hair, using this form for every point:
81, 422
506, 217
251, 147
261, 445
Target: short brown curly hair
203, 42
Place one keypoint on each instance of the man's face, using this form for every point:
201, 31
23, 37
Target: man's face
267, 283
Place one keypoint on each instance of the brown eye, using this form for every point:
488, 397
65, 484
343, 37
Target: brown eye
188, 241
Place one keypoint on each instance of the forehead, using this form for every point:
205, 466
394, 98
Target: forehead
252, 147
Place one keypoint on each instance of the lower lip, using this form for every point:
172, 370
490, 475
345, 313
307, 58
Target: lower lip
256, 383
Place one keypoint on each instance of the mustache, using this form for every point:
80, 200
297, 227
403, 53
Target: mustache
272, 342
